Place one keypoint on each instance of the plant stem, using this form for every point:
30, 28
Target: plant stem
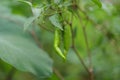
80, 58
58, 74
87, 47
35, 38
45, 28
75, 49
89, 54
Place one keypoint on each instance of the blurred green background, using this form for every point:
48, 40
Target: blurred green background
103, 32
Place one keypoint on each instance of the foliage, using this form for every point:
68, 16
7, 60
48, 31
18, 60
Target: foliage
27, 29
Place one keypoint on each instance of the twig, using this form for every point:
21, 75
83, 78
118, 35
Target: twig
58, 74
45, 28
75, 49
89, 54
80, 58
88, 50
36, 38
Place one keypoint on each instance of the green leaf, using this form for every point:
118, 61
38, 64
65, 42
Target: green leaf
55, 21
97, 2
19, 50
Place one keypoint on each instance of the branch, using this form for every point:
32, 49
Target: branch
58, 74
89, 54
87, 46
35, 38
43, 27
80, 58
75, 49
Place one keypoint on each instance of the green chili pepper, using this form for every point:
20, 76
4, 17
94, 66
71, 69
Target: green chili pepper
62, 37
